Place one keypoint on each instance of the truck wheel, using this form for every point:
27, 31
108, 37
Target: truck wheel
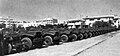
74, 37
96, 33
85, 35
99, 33
27, 43
64, 38
9, 48
81, 36
90, 34
48, 40
93, 34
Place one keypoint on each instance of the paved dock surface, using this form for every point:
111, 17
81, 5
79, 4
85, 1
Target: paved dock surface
110, 47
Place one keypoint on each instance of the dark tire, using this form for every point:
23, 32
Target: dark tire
74, 37
27, 43
90, 34
9, 49
99, 33
64, 38
96, 33
81, 36
85, 35
48, 40
93, 34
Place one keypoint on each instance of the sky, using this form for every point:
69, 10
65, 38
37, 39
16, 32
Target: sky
62, 10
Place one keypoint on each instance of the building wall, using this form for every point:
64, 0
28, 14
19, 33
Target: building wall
41, 22
91, 20
50, 21
73, 22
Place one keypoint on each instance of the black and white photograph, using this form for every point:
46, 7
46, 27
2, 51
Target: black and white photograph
59, 27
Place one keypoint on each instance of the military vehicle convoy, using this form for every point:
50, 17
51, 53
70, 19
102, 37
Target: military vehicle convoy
43, 36
25, 40
33, 37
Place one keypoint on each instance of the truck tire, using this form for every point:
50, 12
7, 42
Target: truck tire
97, 33
64, 38
81, 36
93, 34
48, 40
90, 34
74, 37
27, 43
100, 32
9, 48
85, 35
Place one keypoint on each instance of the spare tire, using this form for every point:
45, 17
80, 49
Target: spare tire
27, 43
64, 38
48, 40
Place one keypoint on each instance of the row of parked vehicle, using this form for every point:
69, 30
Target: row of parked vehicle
44, 36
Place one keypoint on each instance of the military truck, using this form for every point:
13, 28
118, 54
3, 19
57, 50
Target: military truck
46, 35
33, 37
